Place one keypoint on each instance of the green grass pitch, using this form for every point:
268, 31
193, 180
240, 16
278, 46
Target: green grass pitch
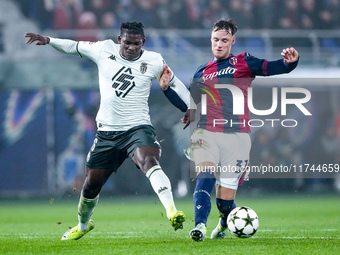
288, 225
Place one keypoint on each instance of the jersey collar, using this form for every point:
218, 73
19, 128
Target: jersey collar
220, 60
134, 59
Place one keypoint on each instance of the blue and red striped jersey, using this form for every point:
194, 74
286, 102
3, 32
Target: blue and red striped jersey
238, 71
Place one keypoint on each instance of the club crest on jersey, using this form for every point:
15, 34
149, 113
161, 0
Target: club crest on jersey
233, 61
143, 67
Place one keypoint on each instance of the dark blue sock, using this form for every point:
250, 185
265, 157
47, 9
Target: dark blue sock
204, 184
225, 207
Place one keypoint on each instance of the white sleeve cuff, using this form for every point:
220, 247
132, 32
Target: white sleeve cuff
64, 45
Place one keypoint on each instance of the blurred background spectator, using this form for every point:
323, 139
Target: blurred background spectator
290, 15
213, 9
186, 14
66, 14
87, 21
265, 13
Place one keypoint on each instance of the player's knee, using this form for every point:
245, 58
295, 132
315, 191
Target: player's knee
147, 163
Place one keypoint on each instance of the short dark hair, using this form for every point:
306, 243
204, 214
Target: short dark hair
132, 27
226, 24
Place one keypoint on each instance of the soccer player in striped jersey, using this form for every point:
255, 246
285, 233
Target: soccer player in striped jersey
224, 143
123, 121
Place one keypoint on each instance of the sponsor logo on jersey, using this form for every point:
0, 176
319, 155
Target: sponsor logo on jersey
112, 57
123, 81
224, 71
143, 67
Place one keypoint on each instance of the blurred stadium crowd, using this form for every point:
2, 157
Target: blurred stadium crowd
183, 14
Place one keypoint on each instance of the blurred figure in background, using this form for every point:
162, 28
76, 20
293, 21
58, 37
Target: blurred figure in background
309, 14
109, 21
239, 10
124, 10
179, 14
290, 15
145, 11
213, 10
66, 14
194, 14
264, 14
328, 152
98, 7
87, 25
329, 15
164, 14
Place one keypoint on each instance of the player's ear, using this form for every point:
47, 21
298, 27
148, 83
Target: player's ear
234, 40
143, 41
119, 39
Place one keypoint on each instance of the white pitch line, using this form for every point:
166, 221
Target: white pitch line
314, 230
297, 237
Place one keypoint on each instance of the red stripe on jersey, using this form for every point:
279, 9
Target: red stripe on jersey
213, 111
215, 92
242, 79
264, 68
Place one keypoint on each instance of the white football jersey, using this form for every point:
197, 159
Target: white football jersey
124, 84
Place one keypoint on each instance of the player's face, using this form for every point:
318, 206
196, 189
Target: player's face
221, 42
131, 45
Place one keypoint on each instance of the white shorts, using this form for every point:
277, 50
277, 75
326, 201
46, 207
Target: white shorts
228, 151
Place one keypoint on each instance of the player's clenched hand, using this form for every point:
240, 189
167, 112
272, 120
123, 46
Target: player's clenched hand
290, 55
189, 117
39, 39
165, 78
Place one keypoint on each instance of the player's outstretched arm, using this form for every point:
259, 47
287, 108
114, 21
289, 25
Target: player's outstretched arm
37, 38
290, 55
62, 45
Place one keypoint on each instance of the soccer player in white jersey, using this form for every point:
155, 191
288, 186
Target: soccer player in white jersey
123, 121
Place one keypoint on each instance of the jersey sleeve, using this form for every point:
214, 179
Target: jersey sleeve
264, 67
64, 45
90, 50
173, 97
196, 84
160, 65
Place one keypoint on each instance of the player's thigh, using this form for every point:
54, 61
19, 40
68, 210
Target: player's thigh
206, 166
107, 151
234, 151
144, 149
204, 149
146, 157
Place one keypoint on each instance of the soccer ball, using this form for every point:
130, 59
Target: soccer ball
243, 222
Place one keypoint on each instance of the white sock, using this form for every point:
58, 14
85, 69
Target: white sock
162, 186
85, 210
